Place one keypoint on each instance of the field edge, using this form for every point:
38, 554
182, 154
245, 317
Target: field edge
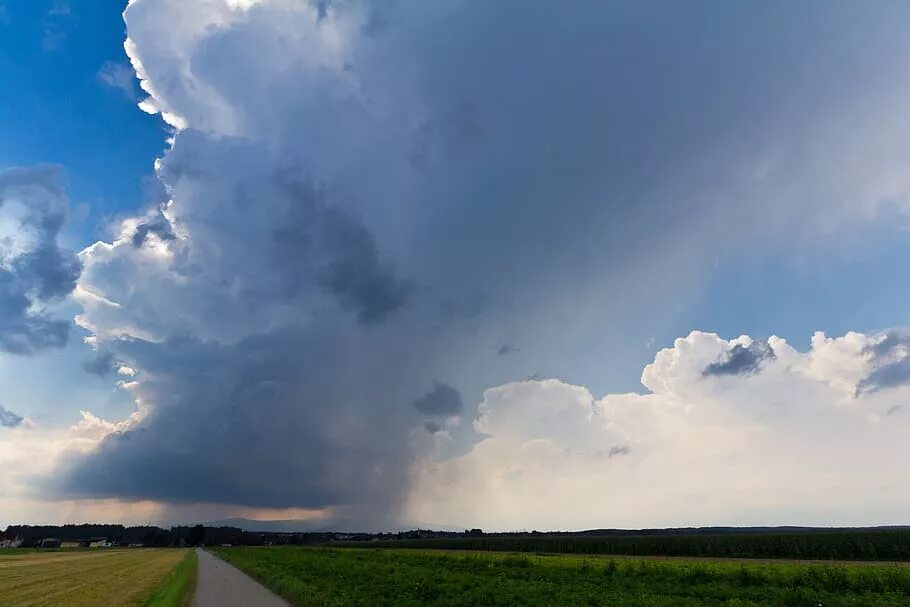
178, 588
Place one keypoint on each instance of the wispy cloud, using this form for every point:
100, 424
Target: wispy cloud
60, 8
54, 29
120, 77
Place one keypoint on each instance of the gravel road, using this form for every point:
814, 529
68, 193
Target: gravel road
223, 585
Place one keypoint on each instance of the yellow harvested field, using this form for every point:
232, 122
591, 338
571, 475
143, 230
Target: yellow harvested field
81, 578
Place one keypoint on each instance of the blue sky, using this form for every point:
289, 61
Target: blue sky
405, 245
55, 108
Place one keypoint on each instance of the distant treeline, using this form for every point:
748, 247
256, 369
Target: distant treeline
881, 544
152, 536
859, 545
31, 535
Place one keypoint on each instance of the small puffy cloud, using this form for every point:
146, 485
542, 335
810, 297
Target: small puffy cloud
120, 77
155, 224
742, 358
619, 451
890, 356
505, 350
9, 419
90, 427
443, 400
35, 271
102, 363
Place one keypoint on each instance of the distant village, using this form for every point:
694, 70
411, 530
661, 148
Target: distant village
118, 536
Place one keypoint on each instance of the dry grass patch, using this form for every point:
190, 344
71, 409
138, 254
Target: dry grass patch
83, 578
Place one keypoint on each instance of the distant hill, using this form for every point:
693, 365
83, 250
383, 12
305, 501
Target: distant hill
280, 526
307, 526
725, 530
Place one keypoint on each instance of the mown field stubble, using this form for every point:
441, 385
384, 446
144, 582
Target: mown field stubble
368, 577
83, 578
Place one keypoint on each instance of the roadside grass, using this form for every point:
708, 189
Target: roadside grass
85, 578
179, 586
340, 577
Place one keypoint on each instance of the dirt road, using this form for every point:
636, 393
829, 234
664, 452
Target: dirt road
223, 585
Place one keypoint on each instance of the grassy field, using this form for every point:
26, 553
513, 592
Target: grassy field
837, 545
336, 577
83, 578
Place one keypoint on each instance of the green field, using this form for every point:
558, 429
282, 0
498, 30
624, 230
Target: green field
90, 577
838, 545
336, 577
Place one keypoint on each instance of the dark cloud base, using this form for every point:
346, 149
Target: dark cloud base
248, 424
442, 400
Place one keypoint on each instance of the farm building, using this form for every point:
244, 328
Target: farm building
49, 543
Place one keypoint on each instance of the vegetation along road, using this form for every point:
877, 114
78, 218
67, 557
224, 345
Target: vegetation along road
94, 577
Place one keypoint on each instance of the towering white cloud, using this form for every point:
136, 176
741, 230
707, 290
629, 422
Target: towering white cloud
788, 443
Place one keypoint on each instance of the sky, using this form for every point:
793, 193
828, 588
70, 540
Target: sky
511, 265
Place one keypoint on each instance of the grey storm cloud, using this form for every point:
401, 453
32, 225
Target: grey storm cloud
357, 276
37, 271
157, 225
102, 364
442, 400
890, 357
8, 419
255, 434
352, 215
742, 359
619, 451
432, 427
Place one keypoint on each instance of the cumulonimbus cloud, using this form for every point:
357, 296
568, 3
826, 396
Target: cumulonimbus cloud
383, 192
